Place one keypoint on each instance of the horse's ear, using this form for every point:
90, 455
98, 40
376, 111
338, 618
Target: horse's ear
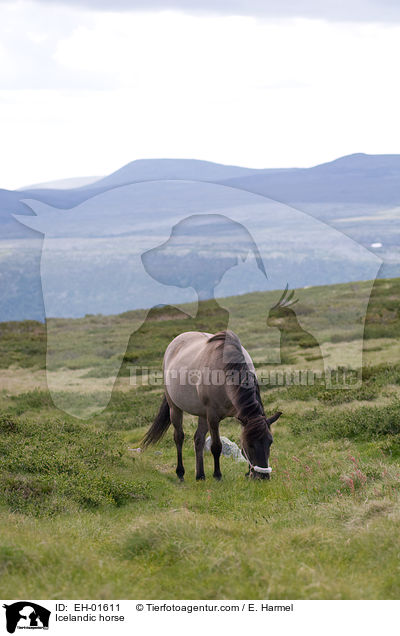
273, 418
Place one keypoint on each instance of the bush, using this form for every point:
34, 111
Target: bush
50, 465
363, 423
32, 400
7, 424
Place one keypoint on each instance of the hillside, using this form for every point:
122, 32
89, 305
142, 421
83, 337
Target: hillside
83, 515
372, 180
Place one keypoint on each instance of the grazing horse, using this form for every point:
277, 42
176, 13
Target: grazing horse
213, 377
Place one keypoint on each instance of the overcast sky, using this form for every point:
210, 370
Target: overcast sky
86, 88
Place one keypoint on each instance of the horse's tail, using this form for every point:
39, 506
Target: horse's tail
159, 426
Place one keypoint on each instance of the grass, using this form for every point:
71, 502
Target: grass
81, 515
99, 340
51, 465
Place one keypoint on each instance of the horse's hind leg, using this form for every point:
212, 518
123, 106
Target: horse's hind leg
179, 436
216, 446
199, 438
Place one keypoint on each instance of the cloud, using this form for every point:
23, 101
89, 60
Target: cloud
347, 10
88, 91
29, 40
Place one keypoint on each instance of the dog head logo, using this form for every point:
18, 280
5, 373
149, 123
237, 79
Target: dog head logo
26, 615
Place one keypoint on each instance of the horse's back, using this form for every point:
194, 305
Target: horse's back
189, 361
183, 359
187, 346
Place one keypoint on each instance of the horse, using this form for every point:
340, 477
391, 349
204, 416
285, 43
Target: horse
213, 377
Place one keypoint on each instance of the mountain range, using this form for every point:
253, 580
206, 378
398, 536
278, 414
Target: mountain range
357, 196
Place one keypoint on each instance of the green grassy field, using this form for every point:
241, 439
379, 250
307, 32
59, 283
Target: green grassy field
82, 516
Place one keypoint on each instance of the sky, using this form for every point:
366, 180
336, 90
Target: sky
87, 86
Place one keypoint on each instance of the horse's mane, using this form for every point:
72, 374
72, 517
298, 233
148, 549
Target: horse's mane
245, 393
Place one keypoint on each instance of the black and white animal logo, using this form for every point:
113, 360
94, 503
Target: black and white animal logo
26, 615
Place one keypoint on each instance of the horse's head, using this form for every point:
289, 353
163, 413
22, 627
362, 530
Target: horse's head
256, 443
282, 312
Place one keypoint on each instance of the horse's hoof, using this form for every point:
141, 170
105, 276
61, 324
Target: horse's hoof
218, 477
200, 477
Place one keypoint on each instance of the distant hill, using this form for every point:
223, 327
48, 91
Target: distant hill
358, 195
356, 183
63, 184
186, 169
370, 179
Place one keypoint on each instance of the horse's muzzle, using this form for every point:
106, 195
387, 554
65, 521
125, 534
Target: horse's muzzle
256, 475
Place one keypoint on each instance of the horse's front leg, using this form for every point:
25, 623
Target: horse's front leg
199, 439
179, 436
216, 446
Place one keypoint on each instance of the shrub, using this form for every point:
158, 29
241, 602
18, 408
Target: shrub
49, 465
7, 424
364, 423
